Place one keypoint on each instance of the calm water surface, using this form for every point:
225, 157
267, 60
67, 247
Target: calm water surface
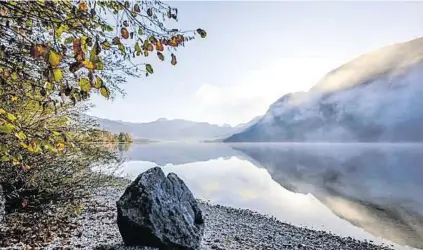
368, 191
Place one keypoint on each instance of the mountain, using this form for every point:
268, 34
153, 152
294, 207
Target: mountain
171, 130
374, 98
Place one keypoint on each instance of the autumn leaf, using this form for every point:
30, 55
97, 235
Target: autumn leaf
160, 56
149, 68
83, 6
124, 33
116, 40
137, 8
105, 45
54, 58
173, 61
84, 84
57, 74
38, 50
104, 92
159, 46
98, 82
150, 47
88, 64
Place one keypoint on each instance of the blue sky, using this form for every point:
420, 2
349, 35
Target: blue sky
256, 52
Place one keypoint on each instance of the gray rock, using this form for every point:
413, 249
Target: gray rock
159, 211
2, 204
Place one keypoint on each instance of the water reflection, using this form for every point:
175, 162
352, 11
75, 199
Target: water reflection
365, 191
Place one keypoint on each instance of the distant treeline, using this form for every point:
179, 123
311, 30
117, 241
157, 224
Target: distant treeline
98, 135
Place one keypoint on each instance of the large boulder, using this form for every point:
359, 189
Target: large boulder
159, 211
2, 204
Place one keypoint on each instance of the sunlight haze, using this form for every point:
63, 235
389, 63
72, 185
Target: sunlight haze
256, 52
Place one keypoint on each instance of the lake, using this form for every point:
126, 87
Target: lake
367, 191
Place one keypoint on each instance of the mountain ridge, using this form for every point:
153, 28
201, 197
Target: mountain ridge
373, 98
164, 129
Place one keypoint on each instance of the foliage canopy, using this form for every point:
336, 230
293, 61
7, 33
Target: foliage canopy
57, 53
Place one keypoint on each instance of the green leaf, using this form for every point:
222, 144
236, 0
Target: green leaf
69, 40
7, 128
11, 117
99, 65
122, 48
149, 68
137, 48
5, 158
84, 84
202, 33
109, 28
140, 31
21, 135
14, 76
50, 147
62, 28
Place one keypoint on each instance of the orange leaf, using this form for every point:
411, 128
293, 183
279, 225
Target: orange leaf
83, 6
159, 46
38, 50
124, 32
173, 42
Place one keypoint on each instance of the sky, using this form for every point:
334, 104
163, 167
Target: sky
254, 53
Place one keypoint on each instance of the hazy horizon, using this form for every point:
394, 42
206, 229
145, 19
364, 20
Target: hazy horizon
256, 52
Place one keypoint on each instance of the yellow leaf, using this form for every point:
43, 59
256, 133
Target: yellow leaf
14, 98
60, 146
104, 92
98, 82
48, 85
54, 58
2, 111
23, 145
62, 28
58, 75
85, 85
88, 64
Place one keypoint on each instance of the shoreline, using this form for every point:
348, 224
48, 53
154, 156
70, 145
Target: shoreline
225, 228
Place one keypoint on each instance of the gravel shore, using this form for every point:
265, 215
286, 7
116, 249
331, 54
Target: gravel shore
225, 228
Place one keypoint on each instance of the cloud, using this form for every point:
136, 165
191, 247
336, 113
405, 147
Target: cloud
251, 94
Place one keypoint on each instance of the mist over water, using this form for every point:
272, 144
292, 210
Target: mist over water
367, 191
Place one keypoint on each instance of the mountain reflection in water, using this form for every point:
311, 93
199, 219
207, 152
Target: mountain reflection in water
368, 191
